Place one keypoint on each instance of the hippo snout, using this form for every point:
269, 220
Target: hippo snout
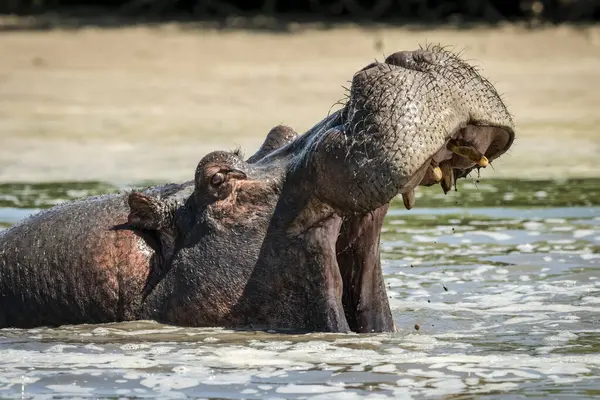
423, 117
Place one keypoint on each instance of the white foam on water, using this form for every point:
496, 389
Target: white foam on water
167, 383
93, 347
238, 356
350, 396
533, 226
424, 239
499, 236
70, 389
303, 389
562, 336
59, 348
386, 368
231, 378
155, 350
561, 241
527, 319
100, 332
428, 380
134, 346
144, 332
525, 247
563, 229
560, 380
590, 300
580, 233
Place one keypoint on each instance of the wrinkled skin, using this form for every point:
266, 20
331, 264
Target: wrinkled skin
288, 239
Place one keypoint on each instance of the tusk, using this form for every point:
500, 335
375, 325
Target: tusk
447, 176
408, 199
469, 153
436, 174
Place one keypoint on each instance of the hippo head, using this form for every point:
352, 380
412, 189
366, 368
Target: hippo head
289, 238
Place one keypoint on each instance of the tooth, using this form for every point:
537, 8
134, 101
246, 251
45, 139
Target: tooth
469, 153
408, 199
447, 176
436, 174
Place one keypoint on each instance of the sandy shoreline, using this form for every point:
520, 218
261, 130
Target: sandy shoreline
133, 104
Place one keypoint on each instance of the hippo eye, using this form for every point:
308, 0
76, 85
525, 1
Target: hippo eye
217, 179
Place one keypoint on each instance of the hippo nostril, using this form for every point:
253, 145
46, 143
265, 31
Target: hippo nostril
417, 60
400, 58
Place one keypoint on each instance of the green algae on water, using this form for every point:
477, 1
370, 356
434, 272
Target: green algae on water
469, 193
45, 195
511, 193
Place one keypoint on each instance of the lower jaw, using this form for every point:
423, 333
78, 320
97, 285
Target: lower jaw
364, 297
353, 293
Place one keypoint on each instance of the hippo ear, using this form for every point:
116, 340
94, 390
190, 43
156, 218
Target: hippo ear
149, 212
277, 137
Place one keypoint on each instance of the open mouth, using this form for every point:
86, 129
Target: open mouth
364, 297
474, 146
357, 246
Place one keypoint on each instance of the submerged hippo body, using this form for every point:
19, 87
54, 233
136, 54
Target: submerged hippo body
287, 239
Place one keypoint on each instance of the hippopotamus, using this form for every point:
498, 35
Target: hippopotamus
287, 239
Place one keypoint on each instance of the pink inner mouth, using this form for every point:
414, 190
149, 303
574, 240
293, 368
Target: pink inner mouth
490, 141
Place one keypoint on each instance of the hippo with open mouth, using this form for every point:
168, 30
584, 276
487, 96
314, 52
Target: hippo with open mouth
287, 239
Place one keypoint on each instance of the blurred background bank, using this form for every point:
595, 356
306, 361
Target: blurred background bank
125, 91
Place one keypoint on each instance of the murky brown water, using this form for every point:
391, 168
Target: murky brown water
505, 290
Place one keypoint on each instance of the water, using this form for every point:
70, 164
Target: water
502, 279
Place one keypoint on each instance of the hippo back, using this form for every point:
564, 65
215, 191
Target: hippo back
72, 264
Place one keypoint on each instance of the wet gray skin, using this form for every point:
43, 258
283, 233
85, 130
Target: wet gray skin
288, 239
